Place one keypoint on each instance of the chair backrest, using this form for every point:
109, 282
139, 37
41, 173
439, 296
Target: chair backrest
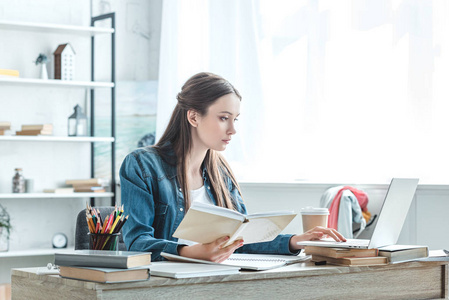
81, 237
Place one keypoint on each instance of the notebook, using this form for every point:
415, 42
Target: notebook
392, 216
255, 262
189, 270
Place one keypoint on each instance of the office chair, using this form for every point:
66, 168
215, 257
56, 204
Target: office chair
81, 236
353, 215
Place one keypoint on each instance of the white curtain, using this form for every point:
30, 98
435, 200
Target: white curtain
336, 91
218, 37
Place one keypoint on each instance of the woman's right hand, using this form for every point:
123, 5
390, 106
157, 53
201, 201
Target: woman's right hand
214, 251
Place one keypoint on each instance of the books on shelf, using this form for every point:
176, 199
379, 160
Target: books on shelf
5, 125
351, 261
403, 253
44, 127
59, 190
204, 223
189, 270
88, 182
9, 73
105, 275
89, 185
89, 189
103, 259
34, 132
39, 129
254, 262
340, 252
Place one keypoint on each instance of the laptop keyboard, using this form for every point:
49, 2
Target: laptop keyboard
356, 242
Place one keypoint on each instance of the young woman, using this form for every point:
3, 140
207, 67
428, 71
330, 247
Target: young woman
159, 183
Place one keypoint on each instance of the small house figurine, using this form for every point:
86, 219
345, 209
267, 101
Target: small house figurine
64, 62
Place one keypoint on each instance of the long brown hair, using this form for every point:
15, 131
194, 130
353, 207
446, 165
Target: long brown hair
198, 93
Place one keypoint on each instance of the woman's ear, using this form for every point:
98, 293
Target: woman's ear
193, 117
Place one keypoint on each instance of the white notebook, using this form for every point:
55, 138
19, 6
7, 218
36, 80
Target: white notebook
189, 270
255, 262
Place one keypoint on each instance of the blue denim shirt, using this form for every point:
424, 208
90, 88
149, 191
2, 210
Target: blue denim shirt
155, 204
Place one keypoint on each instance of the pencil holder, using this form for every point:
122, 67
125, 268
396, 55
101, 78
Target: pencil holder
103, 241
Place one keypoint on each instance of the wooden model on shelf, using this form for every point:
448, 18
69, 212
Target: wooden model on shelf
64, 62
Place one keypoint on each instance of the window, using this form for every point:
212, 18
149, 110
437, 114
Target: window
335, 91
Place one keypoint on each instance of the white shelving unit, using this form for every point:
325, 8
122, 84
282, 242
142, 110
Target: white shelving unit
58, 29
55, 83
43, 138
34, 252
55, 195
54, 28
40, 85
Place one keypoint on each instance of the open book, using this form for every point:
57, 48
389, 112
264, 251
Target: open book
204, 223
255, 262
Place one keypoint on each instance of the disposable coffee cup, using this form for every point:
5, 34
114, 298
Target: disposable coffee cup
312, 217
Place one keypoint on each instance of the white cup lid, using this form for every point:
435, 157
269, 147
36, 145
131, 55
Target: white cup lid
309, 210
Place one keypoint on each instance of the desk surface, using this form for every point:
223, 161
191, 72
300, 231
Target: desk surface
421, 280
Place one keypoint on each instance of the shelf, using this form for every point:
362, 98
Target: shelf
54, 28
53, 195
42, 138
55, 83
34, 252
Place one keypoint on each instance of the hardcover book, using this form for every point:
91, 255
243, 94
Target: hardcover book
103, 259
9, 73
403, 253
90, 190
34, 132
105, 275
88, 182
340, 252
59, 190
5, 125
204, 223
44, 127
352, 261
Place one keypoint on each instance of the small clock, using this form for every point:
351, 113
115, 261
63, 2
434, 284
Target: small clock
59, 240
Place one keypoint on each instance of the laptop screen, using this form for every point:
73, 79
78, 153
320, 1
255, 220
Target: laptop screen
393, 212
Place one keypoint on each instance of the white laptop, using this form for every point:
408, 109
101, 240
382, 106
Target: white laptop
391, 218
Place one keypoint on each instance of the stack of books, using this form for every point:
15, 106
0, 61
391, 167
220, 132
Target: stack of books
346, 257
39, 129
90, 185
4, 126
104, 266
367, 257
8, 73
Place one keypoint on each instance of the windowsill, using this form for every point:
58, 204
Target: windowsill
325, 185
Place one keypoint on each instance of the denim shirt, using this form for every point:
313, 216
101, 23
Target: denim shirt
153, 199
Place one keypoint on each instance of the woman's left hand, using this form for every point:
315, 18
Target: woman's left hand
314, 234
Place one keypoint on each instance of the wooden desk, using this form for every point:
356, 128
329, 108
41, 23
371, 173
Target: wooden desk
417, 280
